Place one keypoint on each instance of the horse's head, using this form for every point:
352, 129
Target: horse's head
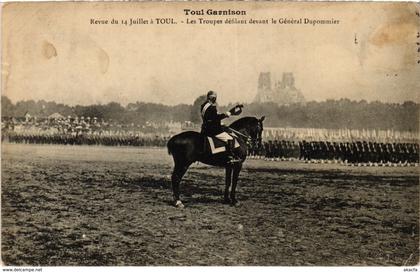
257, 134
252, 126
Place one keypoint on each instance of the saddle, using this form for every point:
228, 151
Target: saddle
214, 145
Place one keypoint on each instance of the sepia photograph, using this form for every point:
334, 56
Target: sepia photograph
184, 134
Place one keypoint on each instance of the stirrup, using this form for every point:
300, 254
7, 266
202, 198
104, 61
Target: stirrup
232, 160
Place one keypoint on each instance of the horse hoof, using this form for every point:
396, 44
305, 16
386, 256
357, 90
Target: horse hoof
178, 204
226, 201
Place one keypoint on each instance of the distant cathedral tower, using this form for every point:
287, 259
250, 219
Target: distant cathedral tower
264, 87
284, 91
288, 80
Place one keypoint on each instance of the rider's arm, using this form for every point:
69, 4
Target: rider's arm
214, 115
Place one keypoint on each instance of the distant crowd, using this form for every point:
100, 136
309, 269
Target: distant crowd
91, 131
79, 125
83, 131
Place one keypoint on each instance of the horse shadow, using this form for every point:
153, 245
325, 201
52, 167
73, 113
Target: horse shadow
192, 192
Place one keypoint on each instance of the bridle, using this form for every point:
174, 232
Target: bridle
247, 138
258, 140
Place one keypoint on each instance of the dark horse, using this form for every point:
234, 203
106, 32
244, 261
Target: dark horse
190, 146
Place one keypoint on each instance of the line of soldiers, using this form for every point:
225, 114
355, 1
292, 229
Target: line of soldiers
109, 139
348, 152
359, 151
310, 151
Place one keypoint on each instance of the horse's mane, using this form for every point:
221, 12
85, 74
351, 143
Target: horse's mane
244, 121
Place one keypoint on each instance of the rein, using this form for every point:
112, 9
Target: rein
248, 138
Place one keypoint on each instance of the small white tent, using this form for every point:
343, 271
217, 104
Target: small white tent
56, 115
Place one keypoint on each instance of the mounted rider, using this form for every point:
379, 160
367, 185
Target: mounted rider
212, 123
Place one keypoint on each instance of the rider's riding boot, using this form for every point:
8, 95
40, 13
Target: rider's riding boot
230, 152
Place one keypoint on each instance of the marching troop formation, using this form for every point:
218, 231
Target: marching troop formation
91, 132
358, 152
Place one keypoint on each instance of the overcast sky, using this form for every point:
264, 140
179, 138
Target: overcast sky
52, 52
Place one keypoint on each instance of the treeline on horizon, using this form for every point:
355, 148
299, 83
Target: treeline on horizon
333, 114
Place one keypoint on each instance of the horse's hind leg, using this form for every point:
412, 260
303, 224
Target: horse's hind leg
236, 169
227, 184
178, 173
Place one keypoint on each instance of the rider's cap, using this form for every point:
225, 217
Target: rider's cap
211, 94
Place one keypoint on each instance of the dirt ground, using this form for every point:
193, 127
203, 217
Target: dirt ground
83, 205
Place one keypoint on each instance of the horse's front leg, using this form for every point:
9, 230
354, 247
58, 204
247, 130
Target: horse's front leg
236, 170
227, 184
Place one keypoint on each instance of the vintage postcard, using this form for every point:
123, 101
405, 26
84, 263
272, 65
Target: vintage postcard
210, 134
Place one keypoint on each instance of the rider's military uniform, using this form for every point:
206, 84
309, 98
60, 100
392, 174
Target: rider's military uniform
212, 122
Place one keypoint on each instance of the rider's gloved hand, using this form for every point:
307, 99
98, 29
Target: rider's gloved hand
236, 110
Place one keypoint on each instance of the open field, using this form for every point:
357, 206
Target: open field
84, 205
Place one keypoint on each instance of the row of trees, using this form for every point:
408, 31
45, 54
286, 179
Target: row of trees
137, 113
343, 113
333, 114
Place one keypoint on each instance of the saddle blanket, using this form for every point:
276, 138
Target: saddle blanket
218, 146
